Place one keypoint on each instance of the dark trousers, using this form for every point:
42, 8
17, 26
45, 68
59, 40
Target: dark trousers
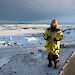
54, 58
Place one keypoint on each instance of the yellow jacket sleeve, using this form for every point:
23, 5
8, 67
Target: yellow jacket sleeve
46, 35
58, 36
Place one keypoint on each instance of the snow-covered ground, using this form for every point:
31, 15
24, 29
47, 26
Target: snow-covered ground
22, 50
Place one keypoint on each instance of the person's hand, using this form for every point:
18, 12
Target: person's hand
51, 40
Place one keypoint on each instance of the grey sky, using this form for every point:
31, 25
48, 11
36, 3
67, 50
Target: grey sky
21, 10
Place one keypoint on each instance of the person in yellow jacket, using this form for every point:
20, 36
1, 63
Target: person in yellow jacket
53, 35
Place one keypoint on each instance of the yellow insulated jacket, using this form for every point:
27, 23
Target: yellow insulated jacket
53, 46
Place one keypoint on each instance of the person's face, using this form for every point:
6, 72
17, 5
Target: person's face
54, 24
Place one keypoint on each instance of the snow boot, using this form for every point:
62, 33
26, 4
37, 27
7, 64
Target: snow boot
50, 64
56, 64
50, 60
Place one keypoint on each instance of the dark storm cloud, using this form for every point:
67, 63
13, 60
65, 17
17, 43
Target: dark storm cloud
35, 9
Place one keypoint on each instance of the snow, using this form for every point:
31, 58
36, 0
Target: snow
4, 61
22, 50
31, 39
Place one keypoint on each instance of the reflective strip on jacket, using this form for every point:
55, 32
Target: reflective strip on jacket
53, 47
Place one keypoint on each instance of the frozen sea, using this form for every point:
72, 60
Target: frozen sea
22, 49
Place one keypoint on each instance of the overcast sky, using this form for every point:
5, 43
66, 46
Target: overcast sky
23, 10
